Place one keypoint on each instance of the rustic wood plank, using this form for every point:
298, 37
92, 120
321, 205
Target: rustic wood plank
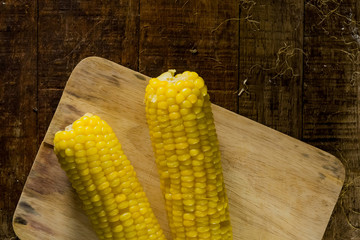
18, 133
271, 58
331, 99
72, 30
278, 187
222, 96
48, 101
200, 36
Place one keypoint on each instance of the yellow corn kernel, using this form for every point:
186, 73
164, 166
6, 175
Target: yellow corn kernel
187, 155
105, 181
188, 223
189, 216
191, 234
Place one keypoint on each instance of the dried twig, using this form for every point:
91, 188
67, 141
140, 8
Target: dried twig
282, 65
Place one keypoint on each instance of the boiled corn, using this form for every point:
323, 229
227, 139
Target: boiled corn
105, 181
184, 140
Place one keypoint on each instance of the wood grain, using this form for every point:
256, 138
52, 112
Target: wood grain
72, 30
18, 98
278, 187
271, 38
199, 36
331, 94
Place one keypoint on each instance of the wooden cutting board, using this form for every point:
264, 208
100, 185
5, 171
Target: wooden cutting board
278, 187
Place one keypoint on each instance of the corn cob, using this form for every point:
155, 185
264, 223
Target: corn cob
184, 140
105, 181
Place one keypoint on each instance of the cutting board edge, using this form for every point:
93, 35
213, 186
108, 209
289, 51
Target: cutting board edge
14, 225
47, 139
341, 168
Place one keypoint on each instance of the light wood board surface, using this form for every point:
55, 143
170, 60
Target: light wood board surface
278, 187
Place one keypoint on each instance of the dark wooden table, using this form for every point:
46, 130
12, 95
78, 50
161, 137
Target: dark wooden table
292, 65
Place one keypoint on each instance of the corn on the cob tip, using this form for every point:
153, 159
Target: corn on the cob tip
186, 148
105, 181
167, 76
